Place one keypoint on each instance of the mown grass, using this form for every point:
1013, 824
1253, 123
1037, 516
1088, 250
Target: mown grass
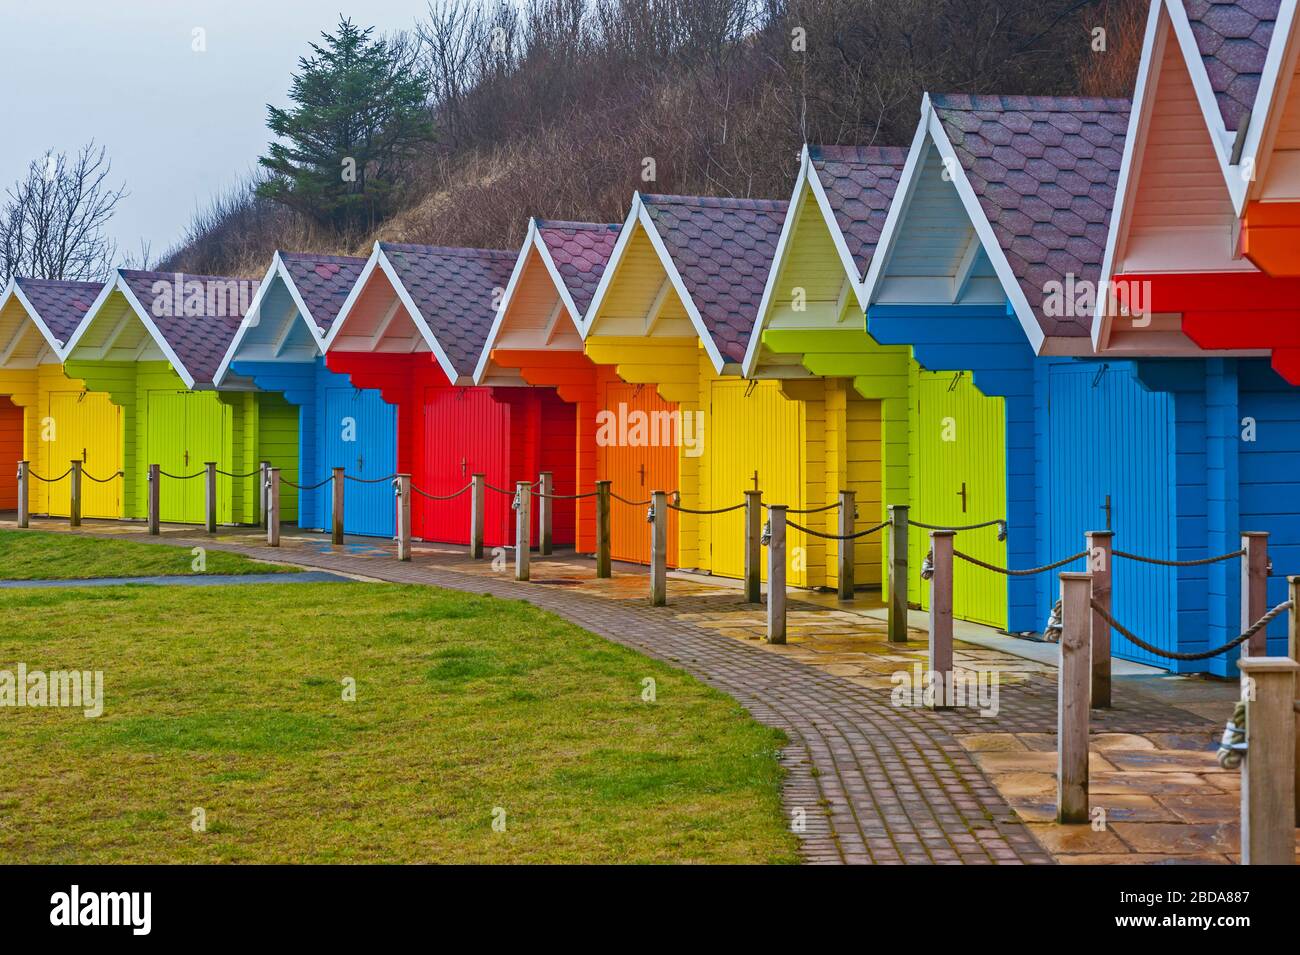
46, 555
231, 700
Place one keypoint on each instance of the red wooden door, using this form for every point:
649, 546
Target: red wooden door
463, 431
11, 452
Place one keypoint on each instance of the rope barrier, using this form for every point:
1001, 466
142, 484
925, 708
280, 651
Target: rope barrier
499, 490
962, 527
1028, 572
239, 476
563, 497
308, 487
1179, 563
720, 510
624, 500
837, 537
182, 477
1250, 631
357, 480
806, 510
441, 497
56, 480
111, 477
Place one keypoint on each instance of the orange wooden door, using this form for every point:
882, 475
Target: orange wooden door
638, 455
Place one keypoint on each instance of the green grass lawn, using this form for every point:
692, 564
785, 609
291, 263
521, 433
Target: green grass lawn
231, 700
45, 555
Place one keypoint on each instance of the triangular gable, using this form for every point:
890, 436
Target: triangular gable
715, 255
572, 256
1270, 161
38, 318
296, 303
447, 296
849, 189
186, 320
1004, 199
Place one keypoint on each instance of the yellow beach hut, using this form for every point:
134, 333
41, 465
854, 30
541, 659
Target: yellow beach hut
47, 418
674, 310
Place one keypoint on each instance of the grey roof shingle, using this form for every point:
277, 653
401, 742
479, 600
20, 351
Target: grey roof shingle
323, 281
580, 251
1233, 37
859, 182
723, 250
59, 303
457, 292
203, 330
1048, 192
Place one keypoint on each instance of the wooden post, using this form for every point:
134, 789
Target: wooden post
523, 543
272, 507
941, 617
603, 538
210, 498
24, 493
1254, 588
546, 513
263, 486
1293, 651
477, 514
1267, 789
155, 499
776, 574
754, 547
336, 517
845, 557
659, 548
74, 498
402, 493
898, 533
1099, 556
1073, 678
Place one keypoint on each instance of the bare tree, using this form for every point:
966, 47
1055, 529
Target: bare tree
52, 224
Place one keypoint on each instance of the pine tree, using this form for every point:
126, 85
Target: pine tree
359, 110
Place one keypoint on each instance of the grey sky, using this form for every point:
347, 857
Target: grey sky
179, 125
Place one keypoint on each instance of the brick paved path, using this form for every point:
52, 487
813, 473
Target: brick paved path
876, 783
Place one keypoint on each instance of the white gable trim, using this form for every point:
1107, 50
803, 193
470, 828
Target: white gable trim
14, 291
607, 276
1270, 102
119, 283
898, 208
521, 261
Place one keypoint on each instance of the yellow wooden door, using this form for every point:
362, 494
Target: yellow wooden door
961, 458
87, 427
753, 439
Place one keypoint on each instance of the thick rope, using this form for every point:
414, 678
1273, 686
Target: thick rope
624, 500
308, 487
1179, 563
111, 477
56, 480
564, 497
720, 510
239, 476
441, 497
499, 490
182, 477
1250, 631
962, 527
806, 510
1028, 572
837, 537
357, 480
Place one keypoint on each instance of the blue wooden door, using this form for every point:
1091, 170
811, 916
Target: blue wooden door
358, 432
1111, 440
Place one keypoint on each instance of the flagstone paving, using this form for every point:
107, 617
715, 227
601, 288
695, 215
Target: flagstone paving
874, 781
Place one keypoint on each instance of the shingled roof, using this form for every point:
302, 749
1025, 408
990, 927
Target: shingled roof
199, 341
60, 304
1045, 170
456, 293
580, 251
1233, 38
323, 281
859, 182
723, 249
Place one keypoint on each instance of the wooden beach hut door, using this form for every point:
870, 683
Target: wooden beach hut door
465, 431
11, 452
753, 438
636, 470
1121, 481
961, 470
359, 434
185, 430
87, 427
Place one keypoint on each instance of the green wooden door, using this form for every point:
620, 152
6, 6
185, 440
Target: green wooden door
205, 438
961, 474
185, 430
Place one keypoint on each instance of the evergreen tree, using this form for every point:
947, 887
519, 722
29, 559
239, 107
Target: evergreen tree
359, 110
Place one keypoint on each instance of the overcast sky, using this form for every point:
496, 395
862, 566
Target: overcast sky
179, 125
